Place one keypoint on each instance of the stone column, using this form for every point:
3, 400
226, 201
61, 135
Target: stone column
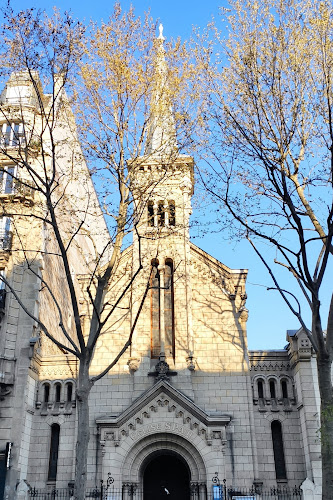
155, 213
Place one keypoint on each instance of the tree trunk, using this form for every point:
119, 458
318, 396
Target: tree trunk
83, 434
326, 398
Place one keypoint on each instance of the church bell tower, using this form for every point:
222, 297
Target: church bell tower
163, 188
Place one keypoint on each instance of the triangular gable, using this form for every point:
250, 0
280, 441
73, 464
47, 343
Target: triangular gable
176, 414
215, 264
230, 281
177, 397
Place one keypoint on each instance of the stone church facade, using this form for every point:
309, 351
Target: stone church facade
188, 405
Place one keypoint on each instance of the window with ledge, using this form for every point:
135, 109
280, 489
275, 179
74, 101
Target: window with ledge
46, 393
12, 134
272, 389
284, 389
5, 233
279, 459
260, 389
57, 392
54, 451
69, 391
7, 180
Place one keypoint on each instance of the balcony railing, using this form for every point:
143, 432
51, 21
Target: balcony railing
16, 187
23, 188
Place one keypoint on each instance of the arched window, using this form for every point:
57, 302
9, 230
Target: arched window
151, 221
54, 449
169, 319
284, 389
155, 310
160, 214
260, 389
69, 391
172, 213
279, 460
57, 392
272, 389
46, 393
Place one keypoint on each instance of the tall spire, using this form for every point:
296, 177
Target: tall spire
161, 139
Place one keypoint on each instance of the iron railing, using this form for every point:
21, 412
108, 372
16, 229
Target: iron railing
105, 492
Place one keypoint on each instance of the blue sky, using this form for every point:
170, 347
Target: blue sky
269, 318
178, 17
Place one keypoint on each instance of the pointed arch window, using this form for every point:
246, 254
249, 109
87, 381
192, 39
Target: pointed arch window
54, 451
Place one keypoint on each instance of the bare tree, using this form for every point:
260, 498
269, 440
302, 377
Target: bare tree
268, 97
119, 85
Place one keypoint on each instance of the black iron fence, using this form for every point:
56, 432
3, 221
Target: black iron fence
255, 493
216, 492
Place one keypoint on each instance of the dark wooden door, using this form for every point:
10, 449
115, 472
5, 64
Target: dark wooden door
166, 476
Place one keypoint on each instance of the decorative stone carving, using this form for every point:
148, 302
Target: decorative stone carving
162, 370
184, 421
190, 362
133, 364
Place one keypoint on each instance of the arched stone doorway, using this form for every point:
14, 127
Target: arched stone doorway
165, 475
174, 448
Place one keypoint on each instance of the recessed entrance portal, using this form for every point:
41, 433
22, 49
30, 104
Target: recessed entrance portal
166, 475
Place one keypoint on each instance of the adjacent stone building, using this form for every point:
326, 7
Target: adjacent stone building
188, 405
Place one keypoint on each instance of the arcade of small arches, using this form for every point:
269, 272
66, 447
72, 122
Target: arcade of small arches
273, 391
161, 213
57, 395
